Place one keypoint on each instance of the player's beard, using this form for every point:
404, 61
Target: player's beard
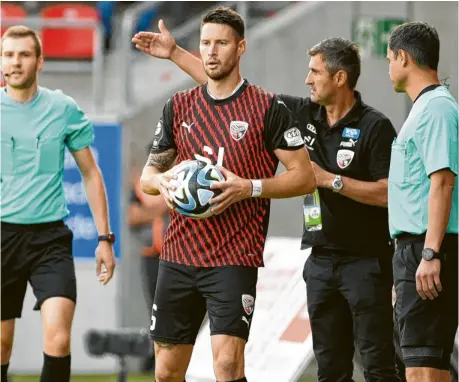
221, 72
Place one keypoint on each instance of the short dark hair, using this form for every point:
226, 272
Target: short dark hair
339, 54
20, 31
420, 40
226, 16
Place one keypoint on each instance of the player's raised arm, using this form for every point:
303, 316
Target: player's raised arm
163, 45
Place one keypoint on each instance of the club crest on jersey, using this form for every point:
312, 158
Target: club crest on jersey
344, 158
247, 303
238, 129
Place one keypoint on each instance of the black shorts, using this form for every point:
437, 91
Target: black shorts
184, 294
427, 327
40, 254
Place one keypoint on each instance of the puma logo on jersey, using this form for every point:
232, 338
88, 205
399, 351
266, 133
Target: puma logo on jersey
188, 127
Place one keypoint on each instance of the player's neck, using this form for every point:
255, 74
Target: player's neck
343, 102
22, 95
224, 88
419, 80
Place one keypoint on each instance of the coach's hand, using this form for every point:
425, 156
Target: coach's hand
159, 45
233, 190
105, 262
428, 279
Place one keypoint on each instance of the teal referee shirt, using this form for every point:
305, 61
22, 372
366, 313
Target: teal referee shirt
33, 139
427, 143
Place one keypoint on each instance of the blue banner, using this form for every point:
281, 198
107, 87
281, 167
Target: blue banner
107, 151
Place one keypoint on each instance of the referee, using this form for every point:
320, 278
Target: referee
423, 206
349, 273
37, 125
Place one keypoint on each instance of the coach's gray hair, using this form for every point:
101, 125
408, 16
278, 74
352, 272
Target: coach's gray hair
339, 54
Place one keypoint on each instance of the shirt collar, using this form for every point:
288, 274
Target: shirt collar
353, 115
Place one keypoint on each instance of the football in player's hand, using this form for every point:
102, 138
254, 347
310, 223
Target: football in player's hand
192, 194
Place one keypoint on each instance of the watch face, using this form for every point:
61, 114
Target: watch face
427, 254
337, 184
111, 236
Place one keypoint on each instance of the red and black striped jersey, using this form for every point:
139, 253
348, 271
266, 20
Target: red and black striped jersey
249, 125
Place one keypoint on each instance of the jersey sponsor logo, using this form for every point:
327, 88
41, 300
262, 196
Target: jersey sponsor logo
344, 158
247, 303
311, 128
349, 143
238, 129
187, 126
349, 132
308, 142
293, 137
158, 134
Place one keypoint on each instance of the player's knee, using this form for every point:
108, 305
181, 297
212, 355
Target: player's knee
228, 368
165, 374
57, 343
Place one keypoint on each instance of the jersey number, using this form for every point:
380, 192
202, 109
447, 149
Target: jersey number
208, 150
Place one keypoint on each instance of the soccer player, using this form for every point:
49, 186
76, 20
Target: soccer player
349, 273
37, 125
423, 205
212, 264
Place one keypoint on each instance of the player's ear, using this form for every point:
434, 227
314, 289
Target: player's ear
241, 47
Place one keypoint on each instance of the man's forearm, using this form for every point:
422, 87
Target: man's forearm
190, 64
440, 199
97, 198
149, 180
288, 185
371, 193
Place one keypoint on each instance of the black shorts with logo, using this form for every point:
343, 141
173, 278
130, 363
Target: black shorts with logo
184, 294
427, 327
40, 254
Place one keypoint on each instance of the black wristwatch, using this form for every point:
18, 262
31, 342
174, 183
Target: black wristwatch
110, 237
429, 254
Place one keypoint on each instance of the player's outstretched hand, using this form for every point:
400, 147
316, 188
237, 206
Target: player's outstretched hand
234, 189
105, 262
159, 45
428, 282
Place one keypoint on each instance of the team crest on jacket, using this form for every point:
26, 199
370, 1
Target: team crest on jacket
344, 158
247, 302
238, 129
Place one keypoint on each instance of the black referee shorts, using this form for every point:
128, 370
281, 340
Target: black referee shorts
427, 327
40, 254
